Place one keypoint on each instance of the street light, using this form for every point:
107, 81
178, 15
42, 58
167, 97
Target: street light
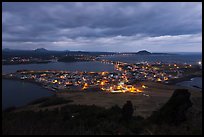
199, 62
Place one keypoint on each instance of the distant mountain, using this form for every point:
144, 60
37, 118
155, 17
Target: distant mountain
143, 52
41, 50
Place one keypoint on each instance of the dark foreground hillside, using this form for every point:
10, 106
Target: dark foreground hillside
57, 116
71, 119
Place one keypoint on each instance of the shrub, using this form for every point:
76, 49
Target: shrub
127, 110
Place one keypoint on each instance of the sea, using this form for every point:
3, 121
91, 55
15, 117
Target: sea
180, 58
19, 93
192, 83
71, 66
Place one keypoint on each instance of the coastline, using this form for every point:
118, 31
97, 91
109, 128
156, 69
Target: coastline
173, 82
31, 81
158, 94
192, 83
186, 78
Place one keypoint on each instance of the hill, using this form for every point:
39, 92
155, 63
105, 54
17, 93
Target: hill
143, 52
41, 50
59, 116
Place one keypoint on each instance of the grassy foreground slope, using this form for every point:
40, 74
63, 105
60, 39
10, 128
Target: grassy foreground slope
57, 115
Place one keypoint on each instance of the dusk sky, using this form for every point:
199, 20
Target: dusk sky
100, 26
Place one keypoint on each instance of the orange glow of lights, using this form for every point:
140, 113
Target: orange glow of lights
139, 90
55, 81
132, 89
43, 74
67, 83
165, 78
85, 86
143, 86
119, 87
158, 79
91, 72
102, 83
62, 77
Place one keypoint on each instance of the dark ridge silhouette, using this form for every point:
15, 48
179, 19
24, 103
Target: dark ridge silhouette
174, 111
143, 52
41, 50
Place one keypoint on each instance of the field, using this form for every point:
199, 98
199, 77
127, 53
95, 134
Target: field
96, 108
144, 103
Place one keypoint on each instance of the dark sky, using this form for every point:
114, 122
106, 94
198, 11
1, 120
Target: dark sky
100, 26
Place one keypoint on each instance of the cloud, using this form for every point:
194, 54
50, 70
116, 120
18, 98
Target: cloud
101, 26
134, 43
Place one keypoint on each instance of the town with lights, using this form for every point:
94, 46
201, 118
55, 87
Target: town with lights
125, 78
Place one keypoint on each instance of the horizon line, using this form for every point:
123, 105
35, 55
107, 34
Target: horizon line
108, 51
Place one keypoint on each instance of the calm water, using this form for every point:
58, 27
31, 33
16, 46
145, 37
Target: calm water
191, 58
73, 66
197, 81
18, 93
